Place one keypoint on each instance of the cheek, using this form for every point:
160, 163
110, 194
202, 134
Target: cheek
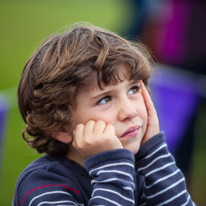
84, 117
145, 120
80, 118
107, 117
142, 111
145, 116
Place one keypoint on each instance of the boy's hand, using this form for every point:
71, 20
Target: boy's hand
95, 137
152, 121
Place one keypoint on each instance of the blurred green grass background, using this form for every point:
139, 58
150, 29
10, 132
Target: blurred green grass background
24, 24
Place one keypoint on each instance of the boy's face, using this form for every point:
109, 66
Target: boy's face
121, 105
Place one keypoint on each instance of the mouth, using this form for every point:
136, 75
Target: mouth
131, 132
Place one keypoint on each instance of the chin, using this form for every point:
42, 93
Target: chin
134, 150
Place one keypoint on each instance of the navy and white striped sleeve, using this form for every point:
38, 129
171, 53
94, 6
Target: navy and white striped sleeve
112, 173
164, 182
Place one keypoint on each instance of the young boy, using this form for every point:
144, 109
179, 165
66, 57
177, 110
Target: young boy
83, 99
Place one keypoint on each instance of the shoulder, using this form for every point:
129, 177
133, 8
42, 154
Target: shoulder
46, 177
44, 168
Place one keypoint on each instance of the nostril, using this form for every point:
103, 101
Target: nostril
127, 113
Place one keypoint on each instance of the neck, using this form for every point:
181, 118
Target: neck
75, 156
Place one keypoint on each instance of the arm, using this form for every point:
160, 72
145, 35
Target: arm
112, 174
164, 182
111, 166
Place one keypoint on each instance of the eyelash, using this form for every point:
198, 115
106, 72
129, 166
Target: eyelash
106, 97
136, 87
109, 98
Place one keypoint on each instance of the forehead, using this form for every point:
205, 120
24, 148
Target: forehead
123, 72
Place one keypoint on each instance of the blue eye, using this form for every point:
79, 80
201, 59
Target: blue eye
105, 100
134, 90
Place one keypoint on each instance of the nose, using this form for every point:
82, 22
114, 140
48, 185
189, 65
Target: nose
127, 110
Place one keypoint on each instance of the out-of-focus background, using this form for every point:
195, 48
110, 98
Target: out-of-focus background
175, 33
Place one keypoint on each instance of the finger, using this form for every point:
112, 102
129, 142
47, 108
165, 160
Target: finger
148, 102
99, 127
79, 130
114, 142
89, 127
110, 129
78, 134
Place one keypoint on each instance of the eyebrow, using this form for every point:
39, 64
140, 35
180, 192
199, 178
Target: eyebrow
108, 92
104, 93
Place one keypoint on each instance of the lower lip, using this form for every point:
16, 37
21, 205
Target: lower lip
131, 134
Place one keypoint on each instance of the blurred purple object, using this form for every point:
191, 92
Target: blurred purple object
176, 99
172, 44
3, 117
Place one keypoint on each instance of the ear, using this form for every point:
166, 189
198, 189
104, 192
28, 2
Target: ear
63, 137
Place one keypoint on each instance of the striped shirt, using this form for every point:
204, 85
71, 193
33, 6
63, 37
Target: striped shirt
115, 177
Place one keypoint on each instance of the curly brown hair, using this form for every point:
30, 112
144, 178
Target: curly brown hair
60, 66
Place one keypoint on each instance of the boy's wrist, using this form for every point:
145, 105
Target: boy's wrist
149, 145
111, 156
